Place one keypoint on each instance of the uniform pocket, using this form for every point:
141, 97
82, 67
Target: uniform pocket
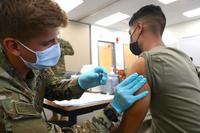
21, 117
19, 110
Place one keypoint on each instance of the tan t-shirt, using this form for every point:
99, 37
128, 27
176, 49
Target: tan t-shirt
175, 86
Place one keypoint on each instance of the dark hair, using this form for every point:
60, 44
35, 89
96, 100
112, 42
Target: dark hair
25, 19
152, 15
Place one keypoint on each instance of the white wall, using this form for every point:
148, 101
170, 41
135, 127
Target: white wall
185, 37
173, 34
78, 35
191, 46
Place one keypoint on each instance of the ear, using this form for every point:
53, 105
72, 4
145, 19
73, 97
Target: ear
10, 45
140, 26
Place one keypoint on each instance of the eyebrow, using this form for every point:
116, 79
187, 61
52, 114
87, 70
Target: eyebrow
48, 41
51, 39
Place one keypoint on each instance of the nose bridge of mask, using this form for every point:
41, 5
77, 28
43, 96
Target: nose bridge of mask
26, 47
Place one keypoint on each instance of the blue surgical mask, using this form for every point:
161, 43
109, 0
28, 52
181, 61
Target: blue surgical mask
44, 59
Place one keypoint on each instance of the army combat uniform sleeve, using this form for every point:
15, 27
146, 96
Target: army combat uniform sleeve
57, 89
98, 124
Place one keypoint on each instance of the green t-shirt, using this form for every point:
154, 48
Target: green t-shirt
175, 87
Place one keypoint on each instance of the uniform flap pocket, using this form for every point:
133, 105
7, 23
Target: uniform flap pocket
17, 110
25, 109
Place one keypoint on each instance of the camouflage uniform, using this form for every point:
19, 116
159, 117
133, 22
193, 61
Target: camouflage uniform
59, 69
21, 101
66, 49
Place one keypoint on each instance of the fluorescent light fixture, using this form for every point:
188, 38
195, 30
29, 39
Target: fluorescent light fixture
192, 13
117, 17
68, 5
166, 1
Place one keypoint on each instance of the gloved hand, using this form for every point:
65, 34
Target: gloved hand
95, 77
124, 95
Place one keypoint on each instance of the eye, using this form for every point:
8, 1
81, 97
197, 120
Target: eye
46, 44
49, 43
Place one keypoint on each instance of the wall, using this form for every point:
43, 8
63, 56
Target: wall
186, 37
78, 35
174, 33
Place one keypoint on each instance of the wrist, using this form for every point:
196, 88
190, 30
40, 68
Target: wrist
116, 107
80, 84
111, 113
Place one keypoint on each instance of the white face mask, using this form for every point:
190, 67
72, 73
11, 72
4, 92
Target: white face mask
44, 59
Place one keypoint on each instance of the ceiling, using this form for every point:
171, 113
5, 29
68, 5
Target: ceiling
93, 10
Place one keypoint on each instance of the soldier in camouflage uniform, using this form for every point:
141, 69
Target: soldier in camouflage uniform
25, 80
66, 49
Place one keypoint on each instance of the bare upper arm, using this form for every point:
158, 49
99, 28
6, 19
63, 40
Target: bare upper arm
133, 117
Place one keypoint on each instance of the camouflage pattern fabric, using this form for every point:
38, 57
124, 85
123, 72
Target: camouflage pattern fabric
66, 49
98, 124
21, 101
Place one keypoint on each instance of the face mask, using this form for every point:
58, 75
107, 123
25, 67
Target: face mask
44, 59
134, 46
135, 49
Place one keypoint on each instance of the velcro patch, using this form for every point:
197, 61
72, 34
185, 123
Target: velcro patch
25, 109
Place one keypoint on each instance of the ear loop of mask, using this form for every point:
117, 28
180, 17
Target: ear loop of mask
132, 35
138, 36
26, 47
134, 46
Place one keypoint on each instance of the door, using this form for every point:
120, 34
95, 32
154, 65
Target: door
129, 58
106, 55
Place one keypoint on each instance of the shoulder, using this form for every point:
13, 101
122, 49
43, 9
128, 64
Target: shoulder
11, 89
137, 66
163, 51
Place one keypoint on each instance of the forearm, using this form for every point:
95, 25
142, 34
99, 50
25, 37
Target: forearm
66, 90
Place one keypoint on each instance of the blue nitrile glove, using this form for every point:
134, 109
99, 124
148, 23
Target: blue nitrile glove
95, 77
124, 95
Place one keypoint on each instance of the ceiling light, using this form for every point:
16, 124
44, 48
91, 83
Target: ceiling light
68, 5
192, 13
166, 1
117, 17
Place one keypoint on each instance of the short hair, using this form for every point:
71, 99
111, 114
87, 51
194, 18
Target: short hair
26, 19
152, 15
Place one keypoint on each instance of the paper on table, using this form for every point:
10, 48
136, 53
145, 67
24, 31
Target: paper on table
85, 99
